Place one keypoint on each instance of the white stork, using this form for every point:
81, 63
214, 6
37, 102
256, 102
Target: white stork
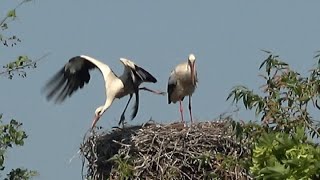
75, 74
183, 82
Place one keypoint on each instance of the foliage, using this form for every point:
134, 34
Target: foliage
18, 66
123, 166
22, 62
20, 174
279, 143
11, 134
4, 25
281, 156
287, 97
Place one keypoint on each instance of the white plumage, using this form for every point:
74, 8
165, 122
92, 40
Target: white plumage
75, 74
183, 82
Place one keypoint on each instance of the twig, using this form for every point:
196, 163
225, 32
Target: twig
5, 18
166, 152
25, 65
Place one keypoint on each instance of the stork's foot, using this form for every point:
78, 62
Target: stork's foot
153, 91
184, 123
161, 92
121, 121
123, 124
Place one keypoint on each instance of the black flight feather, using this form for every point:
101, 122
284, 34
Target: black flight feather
144, 75
172, 82
74, 75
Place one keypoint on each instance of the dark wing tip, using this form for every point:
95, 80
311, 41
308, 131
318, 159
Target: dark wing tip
145, 75
171, 86
72, 76
136, 105
54, 85
170, 90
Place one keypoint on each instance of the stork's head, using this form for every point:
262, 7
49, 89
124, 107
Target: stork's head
191, 63
98, 113
127, 62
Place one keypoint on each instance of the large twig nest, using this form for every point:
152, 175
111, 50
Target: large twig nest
206, 150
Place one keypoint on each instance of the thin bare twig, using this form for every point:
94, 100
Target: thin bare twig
17, 68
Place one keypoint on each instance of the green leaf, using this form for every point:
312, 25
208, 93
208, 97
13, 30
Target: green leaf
4, 26
264, 62
12, 13
2, 159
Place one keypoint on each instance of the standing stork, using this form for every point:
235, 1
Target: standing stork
183, 82
75, 74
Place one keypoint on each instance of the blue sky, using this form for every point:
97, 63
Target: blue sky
226, 37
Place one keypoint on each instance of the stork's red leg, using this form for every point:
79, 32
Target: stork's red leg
190, 111
181, 111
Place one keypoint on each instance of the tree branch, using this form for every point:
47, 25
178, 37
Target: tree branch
24, 66
5, 18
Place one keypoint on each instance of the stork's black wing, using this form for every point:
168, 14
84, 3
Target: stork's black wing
144, 75
135, 77
172, 82
136, 105
69, 79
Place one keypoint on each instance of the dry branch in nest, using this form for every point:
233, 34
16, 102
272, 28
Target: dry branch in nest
206, 150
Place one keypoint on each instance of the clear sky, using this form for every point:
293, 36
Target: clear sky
225, 36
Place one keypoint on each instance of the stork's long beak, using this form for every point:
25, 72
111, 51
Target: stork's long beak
95, 120
193, 76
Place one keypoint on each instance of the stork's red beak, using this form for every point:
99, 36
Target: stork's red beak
193, 76
95, 120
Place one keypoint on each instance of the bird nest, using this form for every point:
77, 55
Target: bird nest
207, 150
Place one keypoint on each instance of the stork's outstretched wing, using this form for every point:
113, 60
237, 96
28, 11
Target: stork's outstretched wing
74, 75
144, 75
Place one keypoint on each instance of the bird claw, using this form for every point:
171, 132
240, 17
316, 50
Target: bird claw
159, 92
153, 91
